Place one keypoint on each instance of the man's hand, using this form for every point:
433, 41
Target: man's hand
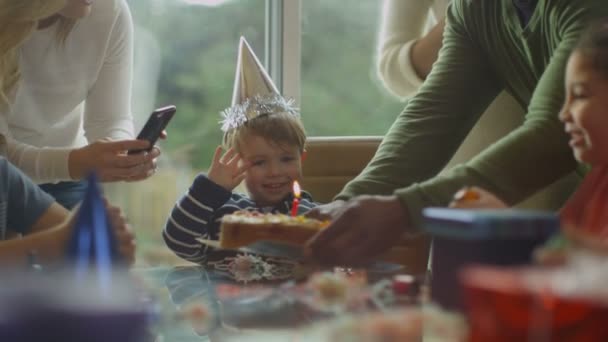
120, 228
366, 227
225, 170
122, 232
329, 211
111, 161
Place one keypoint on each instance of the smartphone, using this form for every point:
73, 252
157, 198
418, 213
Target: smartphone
157, 122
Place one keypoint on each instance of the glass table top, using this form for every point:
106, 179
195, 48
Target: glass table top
240, 295
236, 296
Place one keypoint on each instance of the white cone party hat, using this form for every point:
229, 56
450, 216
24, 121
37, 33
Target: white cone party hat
254, 92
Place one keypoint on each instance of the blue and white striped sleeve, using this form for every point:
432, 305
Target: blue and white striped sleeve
194, 216
306, 204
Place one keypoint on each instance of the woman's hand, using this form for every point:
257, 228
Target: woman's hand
111, 161
225, 170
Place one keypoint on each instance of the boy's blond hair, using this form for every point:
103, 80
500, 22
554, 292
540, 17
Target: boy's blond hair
282, 129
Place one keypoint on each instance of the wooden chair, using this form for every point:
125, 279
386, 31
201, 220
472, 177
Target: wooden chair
332, 162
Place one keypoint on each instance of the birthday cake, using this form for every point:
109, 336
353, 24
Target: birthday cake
242, 228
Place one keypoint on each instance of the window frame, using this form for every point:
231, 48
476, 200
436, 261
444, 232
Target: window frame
284, 45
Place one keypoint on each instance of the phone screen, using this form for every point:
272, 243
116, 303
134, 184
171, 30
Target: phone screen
157, 122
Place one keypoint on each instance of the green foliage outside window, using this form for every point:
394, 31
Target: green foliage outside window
340, 93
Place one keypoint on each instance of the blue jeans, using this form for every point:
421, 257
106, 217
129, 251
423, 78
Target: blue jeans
68, 194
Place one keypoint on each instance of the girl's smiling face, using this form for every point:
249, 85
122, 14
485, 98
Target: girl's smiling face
273, 168
585, 111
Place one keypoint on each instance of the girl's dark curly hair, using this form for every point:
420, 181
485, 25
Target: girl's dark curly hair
593, 44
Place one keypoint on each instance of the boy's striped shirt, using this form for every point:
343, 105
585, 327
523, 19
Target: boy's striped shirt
199, 213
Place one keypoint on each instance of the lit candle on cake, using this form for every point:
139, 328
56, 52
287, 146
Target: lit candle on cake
296, 198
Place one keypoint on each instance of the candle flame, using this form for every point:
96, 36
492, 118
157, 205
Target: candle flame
296, 189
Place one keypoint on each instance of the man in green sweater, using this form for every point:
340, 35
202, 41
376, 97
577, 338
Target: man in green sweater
520, 46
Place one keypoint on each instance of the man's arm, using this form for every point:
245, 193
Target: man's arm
54, 216
435, 121
28, 207
48, 245
531, 157
34, 214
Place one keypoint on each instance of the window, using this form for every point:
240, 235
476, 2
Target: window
318, 51
340, 93
185, 54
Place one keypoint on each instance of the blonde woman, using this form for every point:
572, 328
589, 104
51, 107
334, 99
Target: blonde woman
408, 43
65, 79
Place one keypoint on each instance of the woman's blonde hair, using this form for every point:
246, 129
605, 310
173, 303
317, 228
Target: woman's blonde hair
18, 20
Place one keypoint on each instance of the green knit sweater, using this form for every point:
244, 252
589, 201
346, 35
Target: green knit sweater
485, 50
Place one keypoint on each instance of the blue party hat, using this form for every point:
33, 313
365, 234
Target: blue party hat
93, 247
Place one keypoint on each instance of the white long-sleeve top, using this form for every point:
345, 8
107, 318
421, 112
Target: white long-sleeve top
71, 94
402, 23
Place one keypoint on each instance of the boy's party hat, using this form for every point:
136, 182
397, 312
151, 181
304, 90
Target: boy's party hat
93, 246
254, 92
251, 78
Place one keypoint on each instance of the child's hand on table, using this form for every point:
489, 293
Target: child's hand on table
572, 240
228, 170
476, 198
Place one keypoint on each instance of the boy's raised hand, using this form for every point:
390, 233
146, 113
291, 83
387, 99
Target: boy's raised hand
226, 170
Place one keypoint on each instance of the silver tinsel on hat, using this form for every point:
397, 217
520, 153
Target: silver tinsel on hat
251, 108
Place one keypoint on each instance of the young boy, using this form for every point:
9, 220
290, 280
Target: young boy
585, 116
45, 225
265, 141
